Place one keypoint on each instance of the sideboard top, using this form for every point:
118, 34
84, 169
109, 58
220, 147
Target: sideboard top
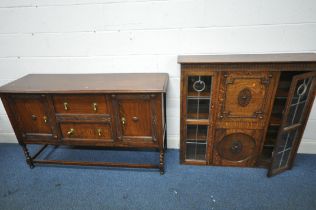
88, 83
249, 58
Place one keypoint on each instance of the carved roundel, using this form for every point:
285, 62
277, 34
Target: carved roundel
244, 97
236, 147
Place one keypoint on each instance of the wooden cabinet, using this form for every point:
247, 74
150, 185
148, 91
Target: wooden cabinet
245, 110
105, 110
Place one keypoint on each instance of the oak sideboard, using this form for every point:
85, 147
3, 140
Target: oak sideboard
99, 110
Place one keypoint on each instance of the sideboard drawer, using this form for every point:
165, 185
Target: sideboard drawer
81, 104
101, 131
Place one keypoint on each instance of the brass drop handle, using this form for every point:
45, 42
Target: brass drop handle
99, 130
70, 132
45, 119
95, 107
123, 121
66, 106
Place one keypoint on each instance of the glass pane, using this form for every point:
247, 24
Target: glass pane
199, 85
198, 108
196, 132
295, 113
285, 158
297, 106
196, 142
195, 151
284, 148
286, 140
277, 161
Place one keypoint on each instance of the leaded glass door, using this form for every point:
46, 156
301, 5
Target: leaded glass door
295, 115
196, 110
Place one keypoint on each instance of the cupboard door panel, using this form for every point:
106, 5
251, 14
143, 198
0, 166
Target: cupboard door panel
32, 114
196, 142
245, 95
135, 117
236, 147
198, 97
298, 106
138, 118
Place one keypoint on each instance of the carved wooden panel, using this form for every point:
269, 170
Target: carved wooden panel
245, 95
236, 147
137, 117
33, 116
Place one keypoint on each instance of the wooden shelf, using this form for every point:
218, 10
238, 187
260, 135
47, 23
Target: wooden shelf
281, 94
275, 121
268, 146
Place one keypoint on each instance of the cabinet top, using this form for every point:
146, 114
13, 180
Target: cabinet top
249, 58
89, 83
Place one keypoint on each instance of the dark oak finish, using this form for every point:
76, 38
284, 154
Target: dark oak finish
240, 117
248, 58
106, 110
89, 83
83, 104
236, 147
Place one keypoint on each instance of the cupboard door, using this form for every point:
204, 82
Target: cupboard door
197, 97
137, 119
298, 105
245, 95
32, 114
236, 147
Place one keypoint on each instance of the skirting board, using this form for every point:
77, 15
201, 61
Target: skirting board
307, 146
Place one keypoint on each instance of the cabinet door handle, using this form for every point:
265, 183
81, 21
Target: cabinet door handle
66, 106
95, 107
135, 119
34, 117
71, 132
123, 120
99, 130
45, 119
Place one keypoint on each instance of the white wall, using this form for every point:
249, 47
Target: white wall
92, 36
